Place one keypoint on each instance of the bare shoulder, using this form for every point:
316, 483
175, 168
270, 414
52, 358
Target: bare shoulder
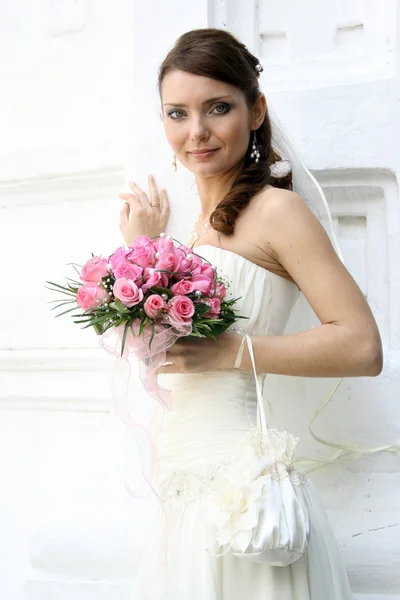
290, 232
279, 204
285, 221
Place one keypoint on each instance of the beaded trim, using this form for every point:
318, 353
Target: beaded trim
186, 486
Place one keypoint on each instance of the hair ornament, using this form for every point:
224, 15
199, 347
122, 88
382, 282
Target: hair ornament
259, 68
280, 168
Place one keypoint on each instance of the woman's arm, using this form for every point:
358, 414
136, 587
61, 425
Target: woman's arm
347, 343
326, 351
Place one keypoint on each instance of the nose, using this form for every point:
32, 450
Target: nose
198, 129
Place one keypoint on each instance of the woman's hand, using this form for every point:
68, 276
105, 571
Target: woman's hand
138, 216
196, 355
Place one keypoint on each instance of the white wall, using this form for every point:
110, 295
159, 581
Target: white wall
79, 114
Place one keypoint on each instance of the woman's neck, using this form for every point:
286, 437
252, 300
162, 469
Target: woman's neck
212, 191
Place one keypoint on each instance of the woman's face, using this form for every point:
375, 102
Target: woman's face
199, 113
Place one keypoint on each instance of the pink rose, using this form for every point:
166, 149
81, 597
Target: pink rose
182, 288
204, 269
165, 246
142, 255
215, 308
145, 241
207, 270
91, 295
94, 269
185, 249
154, 278
180, 309
117, 256
122, 267
203, 283
185, 267
220, 291
197, 263
169, 261
126, 269
128, 292
153, 306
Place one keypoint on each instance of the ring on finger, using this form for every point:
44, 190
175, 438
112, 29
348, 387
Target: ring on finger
154, 204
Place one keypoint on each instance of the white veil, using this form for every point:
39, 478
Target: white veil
292, 402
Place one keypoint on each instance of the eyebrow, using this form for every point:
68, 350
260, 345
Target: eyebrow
205, 102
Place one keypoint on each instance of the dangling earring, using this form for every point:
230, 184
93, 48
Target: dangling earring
174, 166
255, 152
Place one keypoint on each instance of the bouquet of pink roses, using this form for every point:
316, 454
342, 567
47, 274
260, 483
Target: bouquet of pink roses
155, 284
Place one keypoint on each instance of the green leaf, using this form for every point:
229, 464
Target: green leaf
73, 264
201, 308
98, 329
196, 333
152, 333
124, 337
142, 326
93, 319
66, 311
121, 308
86, 326
64, 289
62, 302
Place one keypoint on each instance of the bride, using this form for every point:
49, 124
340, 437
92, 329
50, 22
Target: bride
261, 233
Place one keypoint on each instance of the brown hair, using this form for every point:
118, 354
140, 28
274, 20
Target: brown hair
218, 54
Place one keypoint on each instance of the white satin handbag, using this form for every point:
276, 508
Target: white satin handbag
257, 504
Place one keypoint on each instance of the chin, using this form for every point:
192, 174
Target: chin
207, 170
203, 170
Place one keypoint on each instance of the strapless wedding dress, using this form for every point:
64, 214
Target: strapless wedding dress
211, 412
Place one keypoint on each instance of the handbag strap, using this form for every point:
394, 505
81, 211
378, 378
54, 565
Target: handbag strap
260, 401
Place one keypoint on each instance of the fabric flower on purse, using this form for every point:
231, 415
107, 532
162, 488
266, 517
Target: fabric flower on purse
234, 504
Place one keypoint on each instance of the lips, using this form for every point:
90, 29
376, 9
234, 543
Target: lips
205, 151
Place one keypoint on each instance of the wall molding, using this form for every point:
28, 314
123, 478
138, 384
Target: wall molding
55, 359
93, 184
65, 404
371, 194
30, 363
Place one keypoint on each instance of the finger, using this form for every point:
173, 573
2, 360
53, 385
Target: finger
165, 208
125, 210
131, 201
167, 369
124, 213
138, 192
154, 198
127, 196
172, 354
